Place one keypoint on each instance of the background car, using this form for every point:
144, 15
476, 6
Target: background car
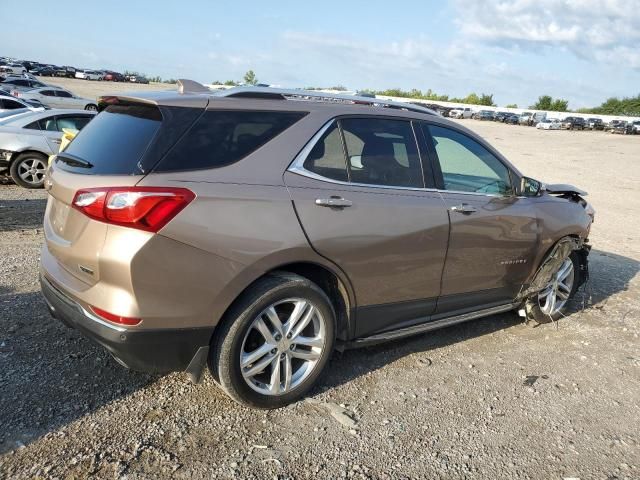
56, 97
623, 128
573, 123
89, 74
9, 102
138, 79
20, 84
483, 115
111, 76
15, 68
465, 112
65, 71
511, 119
45, 71
594, 124
548, 124
27, 140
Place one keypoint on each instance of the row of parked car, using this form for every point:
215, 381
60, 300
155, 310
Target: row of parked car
541, 121
19, 67
26, 91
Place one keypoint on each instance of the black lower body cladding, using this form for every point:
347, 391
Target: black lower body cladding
162, 350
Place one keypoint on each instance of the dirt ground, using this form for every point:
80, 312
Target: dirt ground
489, 399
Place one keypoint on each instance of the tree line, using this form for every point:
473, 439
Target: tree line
613, 106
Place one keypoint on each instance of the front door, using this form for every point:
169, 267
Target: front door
358, 189
494, 234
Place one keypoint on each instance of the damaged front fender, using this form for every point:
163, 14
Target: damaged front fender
552, 262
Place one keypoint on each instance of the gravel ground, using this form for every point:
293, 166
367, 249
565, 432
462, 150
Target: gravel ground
493, 398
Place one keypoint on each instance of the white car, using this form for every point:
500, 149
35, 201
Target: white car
56, 97
9, 102
548, 124
461, 113
13, 68
90, 74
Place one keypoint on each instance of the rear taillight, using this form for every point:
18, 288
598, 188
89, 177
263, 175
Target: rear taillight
110, 317
144, 208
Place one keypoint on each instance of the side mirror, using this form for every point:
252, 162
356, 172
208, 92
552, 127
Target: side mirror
530, 187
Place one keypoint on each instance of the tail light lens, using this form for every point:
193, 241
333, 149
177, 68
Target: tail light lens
144, 208
110, 317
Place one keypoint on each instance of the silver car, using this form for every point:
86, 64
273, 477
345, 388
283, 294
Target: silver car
27, 140
9, 102
20, 84
56, 97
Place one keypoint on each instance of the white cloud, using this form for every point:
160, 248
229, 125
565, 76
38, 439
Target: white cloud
604, 30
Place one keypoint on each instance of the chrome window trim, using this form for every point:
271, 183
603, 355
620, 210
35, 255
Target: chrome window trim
297, 167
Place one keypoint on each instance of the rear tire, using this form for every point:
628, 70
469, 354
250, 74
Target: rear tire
28, 170
563, 287
274, 342
91, 108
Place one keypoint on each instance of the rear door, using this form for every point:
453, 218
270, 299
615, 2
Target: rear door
359, 191
494, 234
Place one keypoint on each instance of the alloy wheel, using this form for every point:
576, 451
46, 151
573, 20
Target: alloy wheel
282, 346
32, 170
556, 294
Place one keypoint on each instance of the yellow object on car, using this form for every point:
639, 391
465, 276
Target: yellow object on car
68, 134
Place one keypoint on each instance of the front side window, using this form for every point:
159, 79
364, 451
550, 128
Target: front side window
466, 165
382, 151
62, 93
327, 156
48, 93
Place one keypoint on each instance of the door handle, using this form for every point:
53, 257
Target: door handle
464, 208
333, 202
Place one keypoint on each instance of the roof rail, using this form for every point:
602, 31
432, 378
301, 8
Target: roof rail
315, 96
190, 86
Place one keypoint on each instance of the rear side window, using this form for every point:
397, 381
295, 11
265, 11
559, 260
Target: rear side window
221, 138
115, 140
382, 151
327, 157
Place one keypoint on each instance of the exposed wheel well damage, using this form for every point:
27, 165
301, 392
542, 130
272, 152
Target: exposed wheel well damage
554, 258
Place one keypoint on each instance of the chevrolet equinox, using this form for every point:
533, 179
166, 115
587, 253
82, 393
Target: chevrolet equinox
256, 230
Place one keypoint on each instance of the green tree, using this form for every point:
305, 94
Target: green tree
250, 78
628, 106
231, 83
511, 105
546, 102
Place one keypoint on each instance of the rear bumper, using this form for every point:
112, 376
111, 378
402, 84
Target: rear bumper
158, 350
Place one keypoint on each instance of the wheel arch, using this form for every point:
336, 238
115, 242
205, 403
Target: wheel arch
337, 289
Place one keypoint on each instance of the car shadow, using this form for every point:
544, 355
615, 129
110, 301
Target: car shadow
21, 214
51, 375
609, 274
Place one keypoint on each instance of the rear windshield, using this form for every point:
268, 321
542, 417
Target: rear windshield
114, 141
223, 137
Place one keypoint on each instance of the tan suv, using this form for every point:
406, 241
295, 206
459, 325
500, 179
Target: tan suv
256, 230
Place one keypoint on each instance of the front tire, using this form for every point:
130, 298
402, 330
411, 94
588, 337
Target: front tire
274, 343
552, 302
28, 170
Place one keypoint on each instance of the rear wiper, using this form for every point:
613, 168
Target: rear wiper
74, 161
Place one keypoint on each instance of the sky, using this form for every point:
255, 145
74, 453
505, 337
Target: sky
584, 51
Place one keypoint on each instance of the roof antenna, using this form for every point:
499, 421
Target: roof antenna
189, 86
